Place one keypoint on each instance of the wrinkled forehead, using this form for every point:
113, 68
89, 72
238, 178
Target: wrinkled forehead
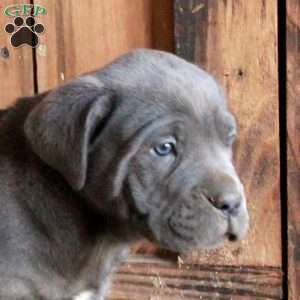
165, 80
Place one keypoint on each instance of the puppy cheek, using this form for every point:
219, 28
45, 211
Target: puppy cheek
137, 193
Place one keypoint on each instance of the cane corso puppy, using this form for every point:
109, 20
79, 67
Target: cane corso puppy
139, 149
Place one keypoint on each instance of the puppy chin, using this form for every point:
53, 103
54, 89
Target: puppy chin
212, 245
183, 247
176, 244
165, 238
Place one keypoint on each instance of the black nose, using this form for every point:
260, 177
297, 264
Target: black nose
229, 204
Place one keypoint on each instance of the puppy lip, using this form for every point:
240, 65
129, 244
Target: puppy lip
235, 234
232, 237
177, 233
238, 226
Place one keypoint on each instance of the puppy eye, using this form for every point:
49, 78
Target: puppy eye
226, 127
164, 149
231, 136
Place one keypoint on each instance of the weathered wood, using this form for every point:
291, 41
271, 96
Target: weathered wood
236, 41
151, 278
16, 71
84, 35
293, 126
163, 25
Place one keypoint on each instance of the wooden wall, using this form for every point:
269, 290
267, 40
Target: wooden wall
16, 66
85, 35
237, 41
293, 145
81, 36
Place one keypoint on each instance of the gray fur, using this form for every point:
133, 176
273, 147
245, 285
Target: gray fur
80, 179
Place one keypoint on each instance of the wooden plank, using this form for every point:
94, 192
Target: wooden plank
163, 25
237, 42
293, 126
84, 35
16, 70
154, 279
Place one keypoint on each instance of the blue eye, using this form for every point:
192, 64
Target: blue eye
164, 149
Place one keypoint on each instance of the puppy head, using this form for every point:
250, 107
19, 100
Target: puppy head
148, 140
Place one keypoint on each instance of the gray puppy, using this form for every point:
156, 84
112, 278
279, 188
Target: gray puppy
141, 148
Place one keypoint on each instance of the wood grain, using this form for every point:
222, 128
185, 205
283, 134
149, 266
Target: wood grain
152, 279
293, 126
237, 42
16, 70
84, 35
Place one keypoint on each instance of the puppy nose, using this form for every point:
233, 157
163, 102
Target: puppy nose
224, 192
228, 203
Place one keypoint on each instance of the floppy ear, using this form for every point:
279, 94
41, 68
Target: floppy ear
60, 128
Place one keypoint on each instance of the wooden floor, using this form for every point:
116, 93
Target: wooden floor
253, 49
150, 278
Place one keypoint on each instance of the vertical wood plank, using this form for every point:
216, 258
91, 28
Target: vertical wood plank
163, 25
84, 35
16, 70
237, 42
293, 140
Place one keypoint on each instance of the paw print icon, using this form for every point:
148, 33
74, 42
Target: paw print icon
24, 31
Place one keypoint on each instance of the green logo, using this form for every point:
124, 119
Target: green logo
24, 28
16, 10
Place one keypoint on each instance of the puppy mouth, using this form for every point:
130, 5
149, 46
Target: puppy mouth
191, 242
232, 237
232, 233
229, 233
238, 227
177, 233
